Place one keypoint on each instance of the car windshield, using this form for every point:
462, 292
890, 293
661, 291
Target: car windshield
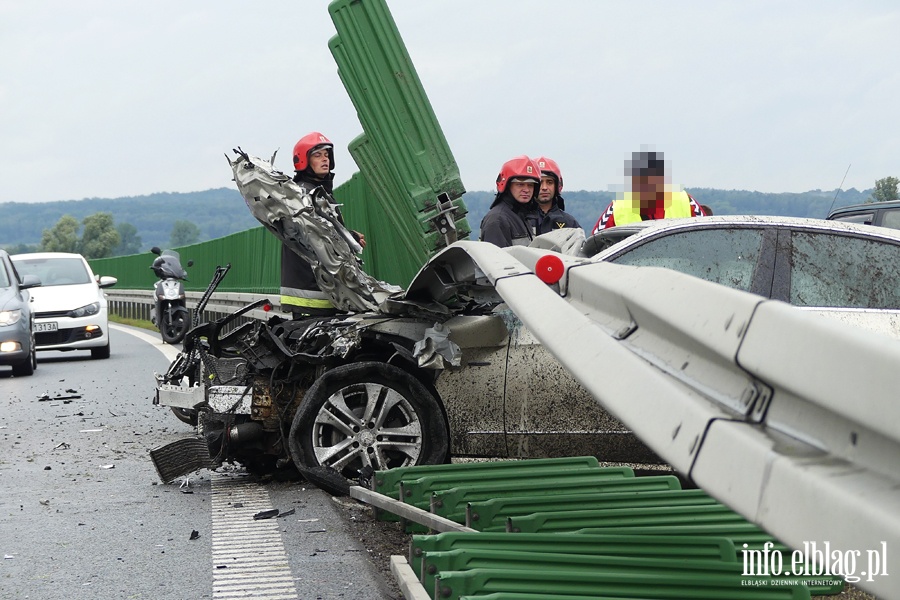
54, 271
4, 279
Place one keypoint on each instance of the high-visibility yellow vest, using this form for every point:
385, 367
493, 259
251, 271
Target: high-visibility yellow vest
628, 208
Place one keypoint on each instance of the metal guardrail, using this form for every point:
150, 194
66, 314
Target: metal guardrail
757, 401
136, 304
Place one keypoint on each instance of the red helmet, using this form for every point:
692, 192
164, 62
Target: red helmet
308, 143
548, 166
520, 167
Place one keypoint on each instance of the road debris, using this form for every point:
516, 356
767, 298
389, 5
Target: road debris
107, 466
194, 535
266, 514
62, 446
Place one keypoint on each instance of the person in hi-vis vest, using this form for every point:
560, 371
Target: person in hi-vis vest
651, 195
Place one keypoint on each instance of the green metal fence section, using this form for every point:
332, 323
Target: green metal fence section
403, 153
545, 529
255, 257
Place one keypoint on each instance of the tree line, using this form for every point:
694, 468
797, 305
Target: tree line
99, 228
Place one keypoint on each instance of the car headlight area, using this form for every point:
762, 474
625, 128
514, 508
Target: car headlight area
10, 317
85, 311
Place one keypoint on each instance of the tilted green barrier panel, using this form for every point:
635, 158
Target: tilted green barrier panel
404, 150
738, 532
418, 492
573, 520
454, 500
647, 546
493, 513
451, 585
255, 257
391, 252
387, 482
434, 563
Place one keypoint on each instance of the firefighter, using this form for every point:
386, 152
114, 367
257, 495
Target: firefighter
510, 221
314, 171
552, 208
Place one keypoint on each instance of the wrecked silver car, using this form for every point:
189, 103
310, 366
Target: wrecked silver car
405, 377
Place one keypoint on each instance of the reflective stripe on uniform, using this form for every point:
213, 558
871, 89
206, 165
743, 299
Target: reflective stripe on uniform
305, 302
305, 298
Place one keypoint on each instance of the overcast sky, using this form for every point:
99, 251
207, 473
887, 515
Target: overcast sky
104, 98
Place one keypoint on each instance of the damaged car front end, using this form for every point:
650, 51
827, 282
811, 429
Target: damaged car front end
401, 378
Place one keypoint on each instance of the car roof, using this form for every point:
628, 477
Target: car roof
852, 208
649, 228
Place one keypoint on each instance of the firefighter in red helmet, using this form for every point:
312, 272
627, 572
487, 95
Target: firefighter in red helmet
551, 213
510, 221
314, 171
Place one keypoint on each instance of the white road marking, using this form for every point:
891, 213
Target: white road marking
169, 351
249, 559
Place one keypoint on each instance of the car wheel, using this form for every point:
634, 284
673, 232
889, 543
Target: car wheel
367, 414
100, 353
28, 366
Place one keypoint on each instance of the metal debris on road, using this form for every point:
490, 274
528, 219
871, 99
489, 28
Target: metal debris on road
194, 535
107, 466
61, 446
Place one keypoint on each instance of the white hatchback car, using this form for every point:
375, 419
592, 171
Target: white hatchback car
70, 308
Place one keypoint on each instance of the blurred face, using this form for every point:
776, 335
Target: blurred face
522, 192
547, 192
319, 162
649, 188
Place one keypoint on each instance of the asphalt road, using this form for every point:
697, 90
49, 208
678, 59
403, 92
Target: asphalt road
84, 516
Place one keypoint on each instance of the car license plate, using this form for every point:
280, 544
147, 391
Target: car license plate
42, 327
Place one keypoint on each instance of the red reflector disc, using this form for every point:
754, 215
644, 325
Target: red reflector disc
549, 269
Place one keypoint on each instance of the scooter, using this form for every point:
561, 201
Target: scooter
170, 313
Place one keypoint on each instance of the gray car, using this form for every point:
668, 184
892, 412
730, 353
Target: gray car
17, 347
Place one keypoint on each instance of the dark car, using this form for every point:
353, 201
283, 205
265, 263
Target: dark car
17, 347
881, 214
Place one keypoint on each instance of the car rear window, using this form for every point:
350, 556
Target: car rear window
54, 271
830, 270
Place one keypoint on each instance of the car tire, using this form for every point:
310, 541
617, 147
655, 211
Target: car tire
100, 353
26, 367
331, 445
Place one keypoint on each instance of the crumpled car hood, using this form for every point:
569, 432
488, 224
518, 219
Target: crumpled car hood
311, 229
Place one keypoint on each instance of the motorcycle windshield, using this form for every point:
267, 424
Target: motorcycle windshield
168, 266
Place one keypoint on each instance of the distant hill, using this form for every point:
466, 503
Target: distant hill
220, 212
586, 206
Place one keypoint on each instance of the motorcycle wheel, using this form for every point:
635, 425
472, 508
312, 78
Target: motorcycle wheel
173, 331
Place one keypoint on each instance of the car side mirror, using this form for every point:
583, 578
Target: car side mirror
107, 281
155, 250
29, 281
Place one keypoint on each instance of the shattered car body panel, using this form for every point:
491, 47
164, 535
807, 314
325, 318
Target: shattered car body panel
310, 227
